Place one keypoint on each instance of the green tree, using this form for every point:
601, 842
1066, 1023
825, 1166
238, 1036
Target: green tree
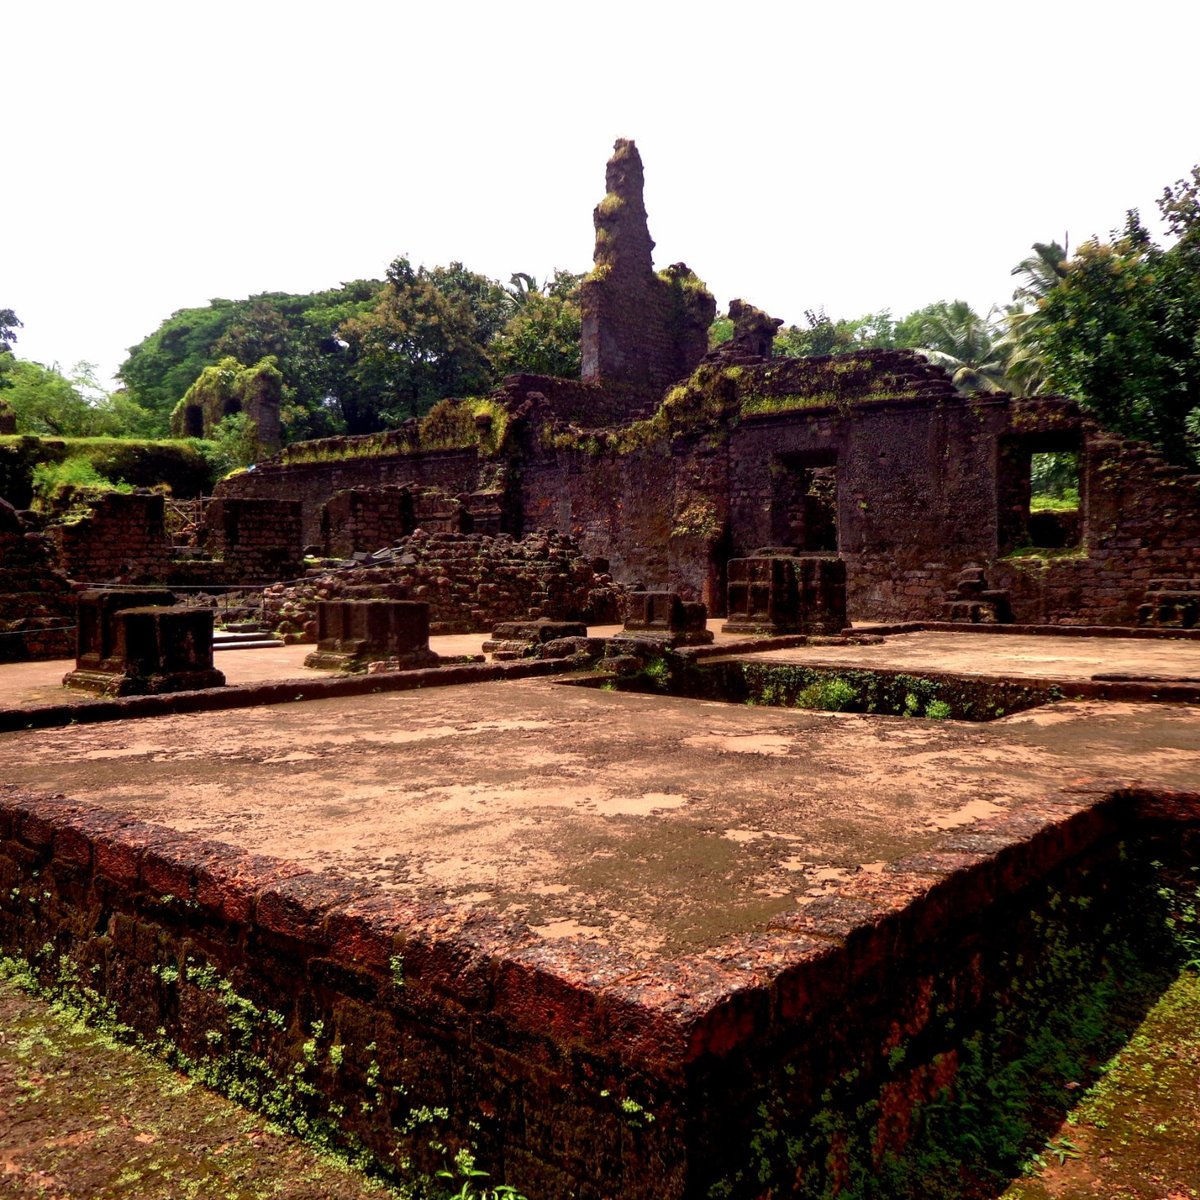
163, 366
843, 336
46, 401
423, 340
9, 324
541, 338
1120, 331
1025, 319
953, 335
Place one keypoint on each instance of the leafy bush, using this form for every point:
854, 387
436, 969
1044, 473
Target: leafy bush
67, 485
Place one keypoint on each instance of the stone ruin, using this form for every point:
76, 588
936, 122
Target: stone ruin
139, 642
353, 634
469, 581
37, 605
783, 495
777, 591
668, 619
639, 327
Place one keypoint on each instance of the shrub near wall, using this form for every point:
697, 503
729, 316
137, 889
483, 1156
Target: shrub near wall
183, 466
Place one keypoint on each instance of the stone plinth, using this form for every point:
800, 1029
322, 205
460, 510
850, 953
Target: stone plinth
146, 650
526, 639
1171, 604
353, 633
666, 615
98, 639
974, 603
780, 593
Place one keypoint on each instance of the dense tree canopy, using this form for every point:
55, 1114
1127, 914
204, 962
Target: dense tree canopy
371, 353
1117, 325
46, 401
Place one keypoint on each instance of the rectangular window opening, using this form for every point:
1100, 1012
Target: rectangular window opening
1054, 505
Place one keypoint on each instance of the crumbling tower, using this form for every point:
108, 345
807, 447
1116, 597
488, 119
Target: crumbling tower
639, 327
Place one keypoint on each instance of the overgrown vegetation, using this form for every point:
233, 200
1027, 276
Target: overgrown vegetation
829, 689
985, 1098
238, 1062
32, 468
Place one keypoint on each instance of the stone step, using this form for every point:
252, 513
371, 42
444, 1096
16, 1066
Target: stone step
259, 644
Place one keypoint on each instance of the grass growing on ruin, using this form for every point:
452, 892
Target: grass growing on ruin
239, 1064
477, 422
975, 1107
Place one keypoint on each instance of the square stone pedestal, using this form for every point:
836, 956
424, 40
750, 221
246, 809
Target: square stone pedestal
666, 616
353, 633
782, 593
144, 650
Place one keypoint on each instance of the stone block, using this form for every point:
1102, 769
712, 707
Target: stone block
145, 650
98, 638
667, 615
780, 593
353, 633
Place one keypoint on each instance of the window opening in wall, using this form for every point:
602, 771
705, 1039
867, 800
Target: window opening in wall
804, 505
1054, 516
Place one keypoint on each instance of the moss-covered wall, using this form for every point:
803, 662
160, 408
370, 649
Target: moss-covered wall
180, 465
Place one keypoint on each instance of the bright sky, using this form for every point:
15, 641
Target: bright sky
798, 154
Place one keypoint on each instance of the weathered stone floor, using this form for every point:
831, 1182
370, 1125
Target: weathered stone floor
650, 823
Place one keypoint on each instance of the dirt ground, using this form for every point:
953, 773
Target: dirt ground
82, 1118
1135, 1135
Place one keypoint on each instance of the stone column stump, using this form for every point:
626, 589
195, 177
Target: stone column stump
353, 633
142, 650
780, 593
667, 616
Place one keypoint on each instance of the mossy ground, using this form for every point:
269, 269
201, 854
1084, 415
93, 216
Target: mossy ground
1135, 1134
85, 1118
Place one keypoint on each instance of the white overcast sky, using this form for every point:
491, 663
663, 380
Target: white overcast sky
854, 156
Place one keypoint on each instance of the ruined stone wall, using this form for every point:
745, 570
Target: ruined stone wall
1140, 523
638, 327
913, 494
584, 402
37, 603
313, 483
122, 540
258, 540
470, 581
363, 520
617, 507
924, 482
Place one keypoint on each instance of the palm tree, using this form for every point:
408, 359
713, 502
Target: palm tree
956, 337
1024, 321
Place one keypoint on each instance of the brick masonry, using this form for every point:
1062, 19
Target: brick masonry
37, 603
258, 540
469, 581
555, 1056
121, 540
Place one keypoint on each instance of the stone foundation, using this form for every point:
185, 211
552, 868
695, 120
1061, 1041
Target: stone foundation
574, 1071
353, 633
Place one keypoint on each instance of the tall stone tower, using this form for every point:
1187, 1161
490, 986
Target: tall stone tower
639, 327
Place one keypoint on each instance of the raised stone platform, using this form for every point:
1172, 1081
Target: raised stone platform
707, 885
